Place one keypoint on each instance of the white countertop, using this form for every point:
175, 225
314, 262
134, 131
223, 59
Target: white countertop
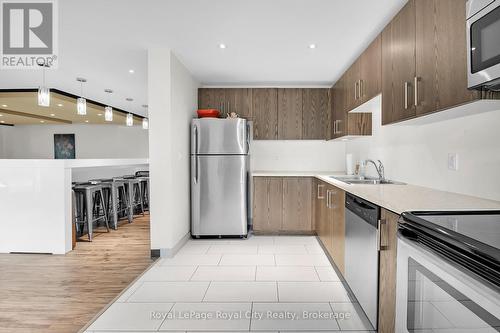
71, 164
397, 198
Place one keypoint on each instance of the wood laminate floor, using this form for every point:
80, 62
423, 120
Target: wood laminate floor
61, 293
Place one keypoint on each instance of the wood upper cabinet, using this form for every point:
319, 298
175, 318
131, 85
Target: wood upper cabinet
211, 98
339, 111
387, 272
370, 71
297, 204
398, 66
239, 100
351, 86
227, 100
315, 109
289, 114
267, 204
441, 56
265, 113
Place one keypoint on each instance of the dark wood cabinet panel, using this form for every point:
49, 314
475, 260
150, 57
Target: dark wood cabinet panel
441, 56
297, 204
387, 272
239, 100
351, 86
211, 98
370, 71
315, 108
338, 232
339, 110
265, 113
267, 204
387, 83
290, 114
403, 59
359, 123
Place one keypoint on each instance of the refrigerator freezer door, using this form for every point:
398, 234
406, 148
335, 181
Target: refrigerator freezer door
210, 136
219, 186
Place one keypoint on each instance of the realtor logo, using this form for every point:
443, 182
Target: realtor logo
29, 33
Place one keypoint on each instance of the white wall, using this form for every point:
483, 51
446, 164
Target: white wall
418, 154
92, 141
172, 102
271, 155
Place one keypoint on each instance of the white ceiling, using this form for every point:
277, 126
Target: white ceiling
267, 43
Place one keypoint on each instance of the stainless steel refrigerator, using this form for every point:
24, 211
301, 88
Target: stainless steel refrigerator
219, 177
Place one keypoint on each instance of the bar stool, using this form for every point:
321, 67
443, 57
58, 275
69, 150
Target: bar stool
145, 192
143, 175
116, 198
134, 194
92, 206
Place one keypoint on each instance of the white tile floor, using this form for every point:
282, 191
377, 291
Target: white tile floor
264, 283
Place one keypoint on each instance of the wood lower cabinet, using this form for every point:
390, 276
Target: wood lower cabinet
329, 205
387, 272
289, 114
267, 204
283, 205
297, 204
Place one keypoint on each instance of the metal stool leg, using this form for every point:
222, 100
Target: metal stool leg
104, 208
114, 202
139, 188
90, 213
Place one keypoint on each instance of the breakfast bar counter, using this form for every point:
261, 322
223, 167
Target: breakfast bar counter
35, 199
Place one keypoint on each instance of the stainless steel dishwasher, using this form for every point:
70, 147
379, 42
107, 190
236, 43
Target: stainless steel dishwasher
361, 253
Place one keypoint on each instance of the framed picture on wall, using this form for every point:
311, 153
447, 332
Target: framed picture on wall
64, 146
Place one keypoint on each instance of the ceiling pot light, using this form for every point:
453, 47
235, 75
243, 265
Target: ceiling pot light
4, 105
131, 71
312, 46
145, 123
86, 121
1, 115
222, 46
99, 114
81, 103
130, 120
59, 105
43, 91
42, 121
2, 121
108, 110
52, 115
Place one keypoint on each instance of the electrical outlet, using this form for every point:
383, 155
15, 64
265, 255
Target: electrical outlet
453, 161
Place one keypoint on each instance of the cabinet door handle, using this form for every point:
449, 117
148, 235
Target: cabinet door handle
416, 90
338, 127
381, 246
356, 91
320, 196
360, 89
328, 198
406, 85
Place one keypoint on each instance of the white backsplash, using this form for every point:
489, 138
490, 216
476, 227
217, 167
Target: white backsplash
277, 155
418, 154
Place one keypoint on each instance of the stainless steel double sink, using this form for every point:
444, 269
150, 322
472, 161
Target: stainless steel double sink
366, 180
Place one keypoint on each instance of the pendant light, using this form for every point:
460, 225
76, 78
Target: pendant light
108, 110
43, 91
145, 121
130, 120
81, 103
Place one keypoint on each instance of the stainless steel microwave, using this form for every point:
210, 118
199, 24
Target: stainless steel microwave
483, 44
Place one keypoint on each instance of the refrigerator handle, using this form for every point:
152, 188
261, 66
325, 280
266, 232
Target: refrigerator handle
195, 129
248, 138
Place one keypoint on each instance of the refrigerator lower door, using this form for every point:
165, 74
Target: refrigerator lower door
219, 189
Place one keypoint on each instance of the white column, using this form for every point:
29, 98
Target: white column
172, 100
